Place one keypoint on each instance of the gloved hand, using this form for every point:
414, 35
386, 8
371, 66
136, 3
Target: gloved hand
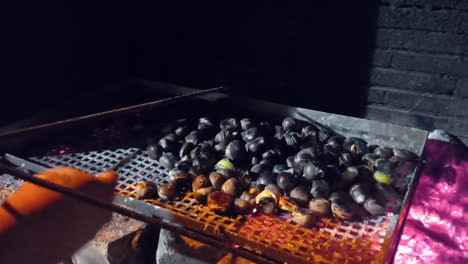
42, 226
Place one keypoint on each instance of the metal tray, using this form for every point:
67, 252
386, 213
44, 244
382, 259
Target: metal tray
92, 146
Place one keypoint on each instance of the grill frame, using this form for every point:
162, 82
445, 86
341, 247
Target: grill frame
374, 132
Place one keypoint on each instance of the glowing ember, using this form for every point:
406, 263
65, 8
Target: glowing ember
62, 151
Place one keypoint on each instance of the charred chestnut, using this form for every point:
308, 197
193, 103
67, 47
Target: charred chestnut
383, 152
256, 146
290, 124
320, 207
370, 159
404, 155
279, 168
285, 181
300, 194
346, 159
324, 135
185, 150
194, 137
358, 146
235, 150
292, 139
246, 123
265, 178
359, 193
373, 207
154, 151
256, 169
204, 124
219, 201
230, 124
274, 189
312, 171
182, 131
320, 189
341, 210
167, 160
220, 148
384, 166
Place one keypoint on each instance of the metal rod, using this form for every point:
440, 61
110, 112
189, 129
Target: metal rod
134, 214
139, 107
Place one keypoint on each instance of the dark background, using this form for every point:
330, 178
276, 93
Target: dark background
398, 61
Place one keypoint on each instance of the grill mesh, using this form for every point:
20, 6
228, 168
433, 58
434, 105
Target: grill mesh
333, 241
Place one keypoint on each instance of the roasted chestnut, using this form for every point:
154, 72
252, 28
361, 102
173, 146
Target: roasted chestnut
300, 194
185, 150
247, 196
242, 206
350, 174
383, 152
320, 207
404, 155
304, 218
336, 196
373, 207
312, 171
309, 151
167, 160
199, 182
217, 179
292, 139
279, 168
166, 192
226, 168
230, 124
279, 132
358, 146
341, 210
183, 165
193, 137
285, 181
287, 204
256, 146
265, 178
256, 169
232, 186
154, 151
182, 131
386, 192
359, 192
146, 189
220, 148
219, 201
274, 189
370, 159
346, 159
300, 160
168, 145
320, 189
383, 177
324, 135
309, 130
201, 194
384, 166
178, 178
290, 124
202, 166
246, 123
204, 124
235, 150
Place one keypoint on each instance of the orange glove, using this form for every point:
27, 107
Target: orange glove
42, 226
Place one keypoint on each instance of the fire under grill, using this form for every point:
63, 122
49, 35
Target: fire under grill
371, 240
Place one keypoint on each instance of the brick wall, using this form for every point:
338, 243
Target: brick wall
419, 69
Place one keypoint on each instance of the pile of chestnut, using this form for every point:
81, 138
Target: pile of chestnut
245, 166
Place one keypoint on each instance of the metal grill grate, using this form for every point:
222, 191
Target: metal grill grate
333, 241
